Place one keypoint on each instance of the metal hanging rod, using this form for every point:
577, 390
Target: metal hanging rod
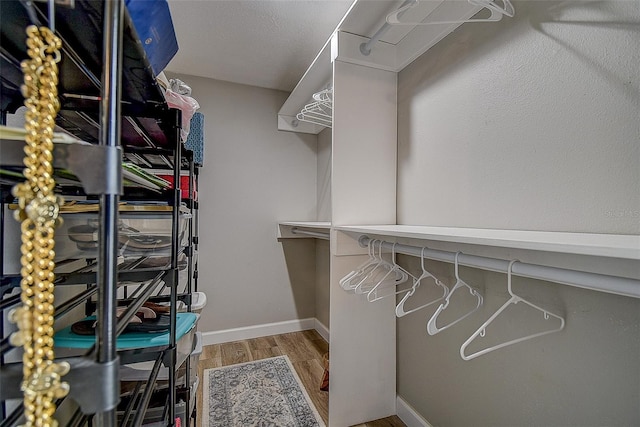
580, 279
497, 12
365, 48
324, 236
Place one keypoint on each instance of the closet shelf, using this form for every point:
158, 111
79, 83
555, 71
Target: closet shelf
601, 245
398, 46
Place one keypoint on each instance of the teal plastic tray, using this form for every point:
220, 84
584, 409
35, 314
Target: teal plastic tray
130, 340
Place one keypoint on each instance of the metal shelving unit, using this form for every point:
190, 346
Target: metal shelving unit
123, 113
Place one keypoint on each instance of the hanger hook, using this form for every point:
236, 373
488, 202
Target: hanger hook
422, 259
509, 273
456, 266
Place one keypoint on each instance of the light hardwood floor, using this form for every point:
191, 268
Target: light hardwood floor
305, 350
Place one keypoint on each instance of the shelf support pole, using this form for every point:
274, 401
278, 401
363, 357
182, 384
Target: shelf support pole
108, 233
176, 118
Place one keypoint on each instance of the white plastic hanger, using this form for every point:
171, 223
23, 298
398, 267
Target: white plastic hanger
515, 299
387, 285
379, 273
320, 111
400, 311
366, 274
362, 270
497, 12
432, 328
325, 95
315, 120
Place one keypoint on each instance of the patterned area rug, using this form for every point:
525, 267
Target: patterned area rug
264, 393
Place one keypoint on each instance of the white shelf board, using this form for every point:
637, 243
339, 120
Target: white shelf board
602, 245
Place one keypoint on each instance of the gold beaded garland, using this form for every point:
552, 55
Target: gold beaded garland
38, 212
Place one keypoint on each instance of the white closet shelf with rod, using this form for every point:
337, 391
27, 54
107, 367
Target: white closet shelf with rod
624, 286
599, 245
404, 33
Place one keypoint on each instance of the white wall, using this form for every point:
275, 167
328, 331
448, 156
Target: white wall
323, 277
530, 123
253, 177
324, 175
587, 375
324, 214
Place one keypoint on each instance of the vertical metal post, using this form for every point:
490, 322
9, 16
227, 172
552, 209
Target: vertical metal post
188, 367
176, 116
196, 227
3, 406
108, 233
191, 230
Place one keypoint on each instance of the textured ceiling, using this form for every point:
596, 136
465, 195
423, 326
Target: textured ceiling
265, 43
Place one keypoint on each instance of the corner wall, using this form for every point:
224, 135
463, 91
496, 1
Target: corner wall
530, 123
324, 214
254, 176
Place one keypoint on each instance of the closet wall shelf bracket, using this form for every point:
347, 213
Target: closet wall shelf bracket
94, 386
292, 124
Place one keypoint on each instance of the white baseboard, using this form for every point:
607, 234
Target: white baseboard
256, 331
322, 329
408, 415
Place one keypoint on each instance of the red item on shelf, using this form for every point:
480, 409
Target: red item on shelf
184, 186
